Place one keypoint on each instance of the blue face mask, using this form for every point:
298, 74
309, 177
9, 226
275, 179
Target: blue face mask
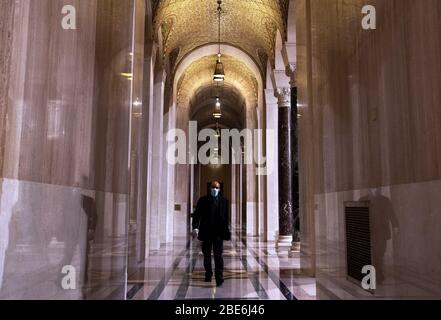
214, 192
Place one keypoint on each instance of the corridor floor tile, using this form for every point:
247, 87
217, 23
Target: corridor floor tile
253, 270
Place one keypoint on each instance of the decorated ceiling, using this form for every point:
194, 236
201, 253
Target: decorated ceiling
200, 74
250, 25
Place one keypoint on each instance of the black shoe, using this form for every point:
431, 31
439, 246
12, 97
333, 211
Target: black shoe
219, 282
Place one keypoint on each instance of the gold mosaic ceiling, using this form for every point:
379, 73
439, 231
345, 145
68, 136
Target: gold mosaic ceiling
200, 74
248, 24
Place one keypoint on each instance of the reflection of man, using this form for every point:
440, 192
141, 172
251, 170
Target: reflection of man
211, 225
89, 207
382, 220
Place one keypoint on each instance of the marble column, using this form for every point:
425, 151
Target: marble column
285, 167
250, 180
182, 178
137, 164
233, 196
272, 178
157, 159
291, 72
295, 172
167, 183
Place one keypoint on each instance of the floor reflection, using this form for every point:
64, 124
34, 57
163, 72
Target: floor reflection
253, 270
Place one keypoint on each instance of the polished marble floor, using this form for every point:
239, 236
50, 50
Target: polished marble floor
253, 270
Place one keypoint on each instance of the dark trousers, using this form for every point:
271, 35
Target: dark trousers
217, 245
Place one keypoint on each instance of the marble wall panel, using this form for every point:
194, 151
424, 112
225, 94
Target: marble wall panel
369, 105
404, 235
305, 134
376, 93
65, 110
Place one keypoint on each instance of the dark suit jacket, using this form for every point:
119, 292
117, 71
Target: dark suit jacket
201, 218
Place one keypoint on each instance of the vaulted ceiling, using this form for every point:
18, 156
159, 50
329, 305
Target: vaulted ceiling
233, 108
200, 75
250, 25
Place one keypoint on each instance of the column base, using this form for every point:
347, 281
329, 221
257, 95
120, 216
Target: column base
294, 252
284, 243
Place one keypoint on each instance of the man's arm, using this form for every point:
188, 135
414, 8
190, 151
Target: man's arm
228, 215
197, 216
228, 218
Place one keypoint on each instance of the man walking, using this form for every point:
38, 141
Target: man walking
211, 225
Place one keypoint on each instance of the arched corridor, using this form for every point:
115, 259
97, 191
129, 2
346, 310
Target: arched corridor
117, 116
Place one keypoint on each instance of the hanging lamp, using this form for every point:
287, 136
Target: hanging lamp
219, 73
217, 114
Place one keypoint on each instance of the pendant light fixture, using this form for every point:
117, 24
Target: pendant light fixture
217, 114
219, 73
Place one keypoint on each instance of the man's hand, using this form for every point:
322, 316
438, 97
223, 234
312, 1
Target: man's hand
194, 234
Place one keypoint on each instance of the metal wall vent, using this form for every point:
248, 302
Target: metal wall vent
358, 239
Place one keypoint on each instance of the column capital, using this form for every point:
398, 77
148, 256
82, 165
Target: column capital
284, 97
291, 72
